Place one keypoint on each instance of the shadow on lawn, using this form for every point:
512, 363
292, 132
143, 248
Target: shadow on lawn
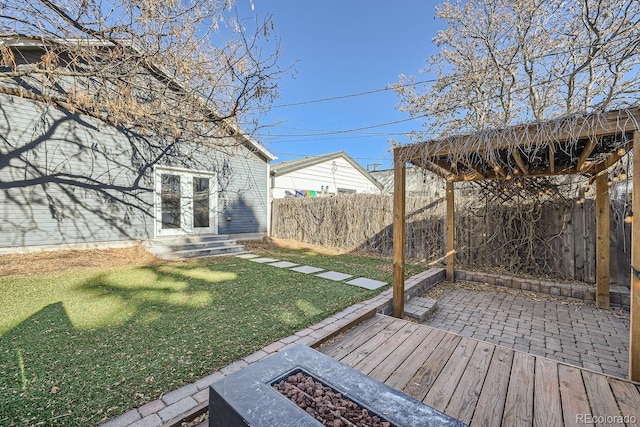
30, 366
125, 337
116, 297
67, 364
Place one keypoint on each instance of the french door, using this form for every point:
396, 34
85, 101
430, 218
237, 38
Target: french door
185, 202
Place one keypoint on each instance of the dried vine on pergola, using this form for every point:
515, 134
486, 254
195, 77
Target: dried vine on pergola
573, 145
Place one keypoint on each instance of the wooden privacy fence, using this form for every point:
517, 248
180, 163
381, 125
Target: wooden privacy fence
553, 239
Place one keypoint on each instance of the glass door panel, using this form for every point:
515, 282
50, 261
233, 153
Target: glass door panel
201, 205
170, 201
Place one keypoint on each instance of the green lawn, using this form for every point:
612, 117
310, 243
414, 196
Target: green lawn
79, 347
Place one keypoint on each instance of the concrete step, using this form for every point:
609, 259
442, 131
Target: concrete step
205, 252
192, 238
420, 308
180, 247
201, 245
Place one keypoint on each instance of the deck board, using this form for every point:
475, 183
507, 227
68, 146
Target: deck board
601, 398
492, 399
477, 382
412, 365
547, 409
465, 399
445, 385
401, 353
366, 330
573, 395
518, 407
628, 398
373, 359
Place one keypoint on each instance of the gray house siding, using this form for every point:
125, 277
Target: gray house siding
243, 201
69, 179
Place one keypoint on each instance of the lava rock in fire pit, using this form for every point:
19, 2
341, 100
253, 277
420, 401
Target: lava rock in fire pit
325, 404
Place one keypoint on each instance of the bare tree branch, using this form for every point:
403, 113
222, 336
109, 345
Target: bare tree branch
503, 62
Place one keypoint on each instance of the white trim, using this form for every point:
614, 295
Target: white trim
183, 170
269, 199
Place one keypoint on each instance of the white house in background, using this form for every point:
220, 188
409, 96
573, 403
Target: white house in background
327, 174
419, 182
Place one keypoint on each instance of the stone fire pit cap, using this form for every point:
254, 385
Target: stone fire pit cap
249, 394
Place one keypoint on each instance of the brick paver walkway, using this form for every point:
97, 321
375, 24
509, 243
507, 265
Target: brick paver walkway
577, 334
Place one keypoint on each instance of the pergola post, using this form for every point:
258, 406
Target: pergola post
602, 241
450, 232
634, 334
399, 169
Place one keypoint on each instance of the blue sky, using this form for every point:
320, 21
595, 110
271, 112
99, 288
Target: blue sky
337, 48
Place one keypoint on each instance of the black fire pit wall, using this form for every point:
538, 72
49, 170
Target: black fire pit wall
246, 398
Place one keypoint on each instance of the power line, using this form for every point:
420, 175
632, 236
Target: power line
311, 155
421, 116
338, 132
354, 95
275, 139
434, 80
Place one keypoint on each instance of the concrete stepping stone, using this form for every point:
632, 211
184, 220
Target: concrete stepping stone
247, 256
419, 308
283, 264
363, 282
307, 269
334, 275
263, 260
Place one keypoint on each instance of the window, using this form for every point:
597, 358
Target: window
170, 201
201, 202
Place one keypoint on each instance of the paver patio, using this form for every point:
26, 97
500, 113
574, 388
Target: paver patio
578, 334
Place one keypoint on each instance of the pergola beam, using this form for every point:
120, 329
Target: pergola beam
516, 156
499, 170
445, 167
586, 152
432, 167
613, 123
475, 170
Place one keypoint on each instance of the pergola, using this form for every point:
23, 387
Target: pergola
587, 145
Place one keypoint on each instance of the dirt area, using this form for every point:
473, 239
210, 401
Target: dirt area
56, 261
28, 264
270, 242
437, 291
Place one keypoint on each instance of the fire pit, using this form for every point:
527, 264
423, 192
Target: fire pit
250, 397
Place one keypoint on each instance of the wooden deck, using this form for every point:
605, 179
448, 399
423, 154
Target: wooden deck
480, 383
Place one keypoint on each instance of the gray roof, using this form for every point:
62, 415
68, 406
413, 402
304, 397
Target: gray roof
283, 168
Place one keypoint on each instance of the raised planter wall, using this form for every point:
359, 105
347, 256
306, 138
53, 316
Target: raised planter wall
620, 296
